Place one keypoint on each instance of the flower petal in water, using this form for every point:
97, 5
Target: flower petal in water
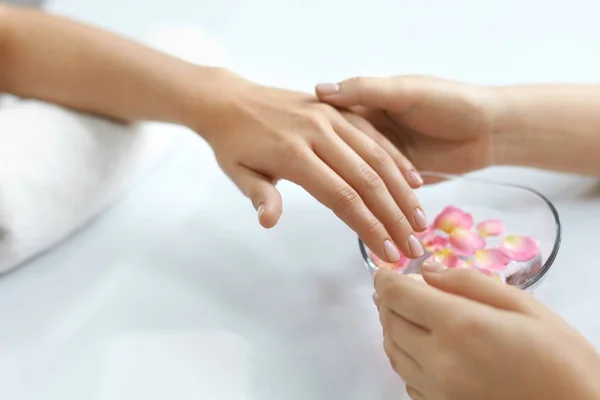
492, 259
520, 248
448, 258
427, 233
400, 264
491, 227
465, 242
434, 243
452, 218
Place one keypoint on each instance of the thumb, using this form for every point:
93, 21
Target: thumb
383, 93
481, 288
265, 197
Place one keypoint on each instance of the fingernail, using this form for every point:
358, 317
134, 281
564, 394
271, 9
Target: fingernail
260, 210
433, 267
415, 178
415, 246
391, 251
328, 88
420, 219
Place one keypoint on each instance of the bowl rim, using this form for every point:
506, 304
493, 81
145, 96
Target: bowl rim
533, 281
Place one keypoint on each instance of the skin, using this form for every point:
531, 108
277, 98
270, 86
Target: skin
453, 127
259, 134
464, 335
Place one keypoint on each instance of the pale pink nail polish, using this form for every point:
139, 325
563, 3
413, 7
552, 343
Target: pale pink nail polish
415, 246
432, 266
415, 178
420, 219
391, 251
260, 210
327, 89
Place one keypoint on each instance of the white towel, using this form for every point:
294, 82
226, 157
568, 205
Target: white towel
60, 168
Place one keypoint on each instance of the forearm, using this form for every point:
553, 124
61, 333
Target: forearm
71, 64
555, 127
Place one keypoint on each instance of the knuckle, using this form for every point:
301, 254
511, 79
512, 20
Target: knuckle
346, 198
373, 227
371, 180
400, 219
391, 291
294, 149
378, 157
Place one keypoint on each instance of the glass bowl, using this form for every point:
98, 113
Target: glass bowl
524, 212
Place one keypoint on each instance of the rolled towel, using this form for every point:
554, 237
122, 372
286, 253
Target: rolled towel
60, 168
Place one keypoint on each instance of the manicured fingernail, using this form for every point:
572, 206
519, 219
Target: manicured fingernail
420, 219
391, 251
260, 210
433, 267
415, 178
415, 246
328, 89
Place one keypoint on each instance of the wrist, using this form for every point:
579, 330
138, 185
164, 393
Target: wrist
507, 141
209, 102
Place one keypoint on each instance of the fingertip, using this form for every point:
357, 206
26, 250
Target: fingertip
414, 179
327, 89
269, 214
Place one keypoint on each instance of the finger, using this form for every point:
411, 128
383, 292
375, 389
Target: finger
372, 190
385, 93
332, 191
476, 286
261, 190
414, 394
382, 163
402, 363
408, 169
376, 300
412, 339
420, 304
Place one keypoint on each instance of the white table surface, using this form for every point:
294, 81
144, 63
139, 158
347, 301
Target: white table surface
177, 293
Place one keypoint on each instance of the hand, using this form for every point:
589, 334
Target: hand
268, 134
467, 336
440, 125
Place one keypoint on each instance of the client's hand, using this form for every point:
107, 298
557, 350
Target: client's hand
439, 125
467, 336
264, 134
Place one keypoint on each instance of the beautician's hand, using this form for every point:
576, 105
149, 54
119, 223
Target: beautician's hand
265, 134
439, 125
466, 336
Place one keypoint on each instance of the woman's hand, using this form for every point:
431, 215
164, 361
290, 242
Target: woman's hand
467, 336
439, 125
264, 134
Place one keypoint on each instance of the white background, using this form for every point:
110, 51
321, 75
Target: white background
177, 293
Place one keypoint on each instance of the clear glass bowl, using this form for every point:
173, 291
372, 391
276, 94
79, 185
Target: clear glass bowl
523, 210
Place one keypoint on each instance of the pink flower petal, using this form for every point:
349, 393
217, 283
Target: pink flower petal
452, 218
426, 233
491, 227
520, 248
465, 242
448, 258
492, 259
435, 243
490, 273
401, 263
